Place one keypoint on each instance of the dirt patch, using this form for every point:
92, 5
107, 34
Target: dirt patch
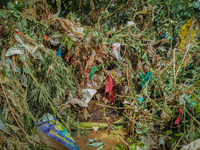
98, 113
110, 140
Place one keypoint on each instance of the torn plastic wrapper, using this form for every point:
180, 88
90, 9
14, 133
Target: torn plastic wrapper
90, 143
162, 48
3, 127
23, 79
192, 146
87, 96
151, 47
71, 36
70, 27
116, 51
149, 141
55, 41
130, 23
53, 134
114, 73
45, 37
109, 88
59, 51
18, 32
186, 64
144, 69
146, 79
31, 49
126, 102
14, 51
141, 99
179, 116
93, 70
191, 101
95, 128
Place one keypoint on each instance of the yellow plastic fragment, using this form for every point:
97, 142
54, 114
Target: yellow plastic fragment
185, 31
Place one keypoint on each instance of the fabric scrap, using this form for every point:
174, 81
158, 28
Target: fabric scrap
109, 89
59, 52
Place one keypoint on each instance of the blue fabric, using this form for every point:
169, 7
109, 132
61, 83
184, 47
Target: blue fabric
163, 36
59, 51
187, 66
141, 99
166, 44
63, 13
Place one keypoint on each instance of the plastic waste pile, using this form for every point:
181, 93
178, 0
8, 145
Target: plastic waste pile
65, 67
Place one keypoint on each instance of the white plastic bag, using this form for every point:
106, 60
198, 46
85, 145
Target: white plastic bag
130, 23
87, 96
116, 51
31, 49
55, 41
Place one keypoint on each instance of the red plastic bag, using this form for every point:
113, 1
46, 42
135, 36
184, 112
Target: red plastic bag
109, 88
180, 112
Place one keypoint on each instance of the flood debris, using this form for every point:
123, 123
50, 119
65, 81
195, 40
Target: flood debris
89, 73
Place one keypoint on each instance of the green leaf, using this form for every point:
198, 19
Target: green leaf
171, 85
194, 72
146, 129
118, 146
26, 70
5, 72
145, 54
138, 131
139, 124
16, 15
141, 145
172, 140
69, 44
133, 147
140, 43
179, 134
169, 132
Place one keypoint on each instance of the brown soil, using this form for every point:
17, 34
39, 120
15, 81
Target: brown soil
110, 140
97, 113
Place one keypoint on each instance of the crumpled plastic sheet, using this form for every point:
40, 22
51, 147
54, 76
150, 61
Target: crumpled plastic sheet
59, 51
55, 41
146, 79
114, 73
149, 141
93, 70
87, 96
23, 79
71, 36
130, 23
116, 51
15, 50
17, 69
70, 26
31, 49
195, 145
3, 127
90, 143
151, 47
162, 48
